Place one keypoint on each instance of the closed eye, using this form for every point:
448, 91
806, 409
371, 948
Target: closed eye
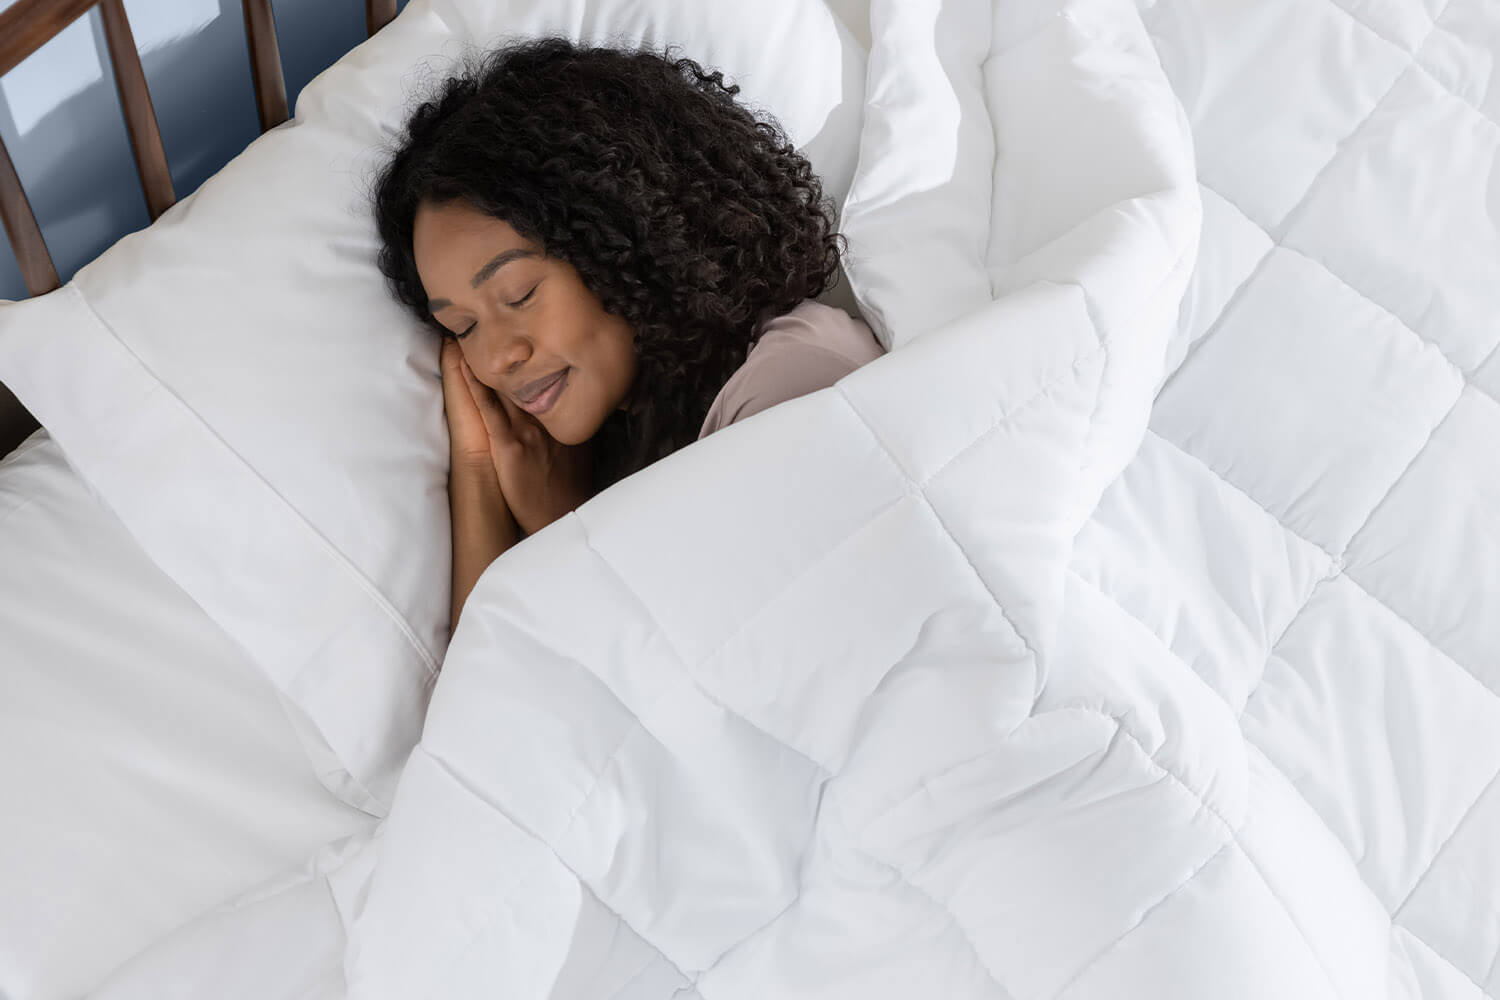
514, 305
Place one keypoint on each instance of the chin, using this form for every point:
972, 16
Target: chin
562, 437
569, 432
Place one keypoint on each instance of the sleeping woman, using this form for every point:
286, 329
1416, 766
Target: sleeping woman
620, 259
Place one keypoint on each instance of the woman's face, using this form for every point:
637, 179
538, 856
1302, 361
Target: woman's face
522, 318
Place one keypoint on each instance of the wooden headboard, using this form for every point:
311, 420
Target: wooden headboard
25, 27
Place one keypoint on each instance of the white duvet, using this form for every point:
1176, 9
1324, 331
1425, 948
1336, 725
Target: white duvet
807, 710
960, 679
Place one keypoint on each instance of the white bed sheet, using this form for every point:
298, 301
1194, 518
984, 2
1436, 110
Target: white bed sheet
147, 769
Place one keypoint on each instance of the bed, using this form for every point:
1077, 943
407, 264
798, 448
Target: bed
1156, 655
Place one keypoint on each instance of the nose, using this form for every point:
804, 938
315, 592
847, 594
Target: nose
502, 353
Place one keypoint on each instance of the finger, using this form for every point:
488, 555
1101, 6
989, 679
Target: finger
456, 396
496, 421
451, 356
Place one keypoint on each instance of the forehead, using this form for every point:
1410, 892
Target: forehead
456, 237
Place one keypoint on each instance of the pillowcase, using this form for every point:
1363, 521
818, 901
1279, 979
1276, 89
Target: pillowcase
238, 386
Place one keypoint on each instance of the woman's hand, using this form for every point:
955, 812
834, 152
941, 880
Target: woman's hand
542, 480
483, 525
468, 438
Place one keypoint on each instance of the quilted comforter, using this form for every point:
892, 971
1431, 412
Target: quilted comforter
1129, 630
815, 707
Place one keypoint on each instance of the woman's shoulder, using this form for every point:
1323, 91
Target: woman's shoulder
801, 351
812, 325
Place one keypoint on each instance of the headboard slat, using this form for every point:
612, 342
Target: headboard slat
37, 269
265, 64
378, 13
140, 116
27, 25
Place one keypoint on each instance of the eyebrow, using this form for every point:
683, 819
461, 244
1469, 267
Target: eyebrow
485, 273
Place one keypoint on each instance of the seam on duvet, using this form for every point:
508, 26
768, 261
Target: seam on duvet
1101, 340
1212, 810
1224, 310
1204, 805
1341, 279
454, 775
588, 543
1337, 566
1416, 456
1417, 883
29, 445
1392, 915
1336, 561
1421, 632
1440, 956
1276, 895
943, 908
920, 490
1424, 341
1160, 642
1484, 116
1486, 360
752, 616
1170, 895
339, 559
1285, 225
1281, 228
1332, 557
1312, 808
688, 673
638, 723
10, 511
1064, 234
1036, 659
1001, 421
1089, 430
1230, 829
1333, 571
1414, 55
1409, 53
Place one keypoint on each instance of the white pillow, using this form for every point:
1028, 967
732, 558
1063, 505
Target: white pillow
236, 383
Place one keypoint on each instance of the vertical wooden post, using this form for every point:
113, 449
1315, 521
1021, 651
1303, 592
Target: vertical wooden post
140, 116
37, 269
378, 13
265, 63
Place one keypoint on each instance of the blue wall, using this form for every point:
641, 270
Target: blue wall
61, 121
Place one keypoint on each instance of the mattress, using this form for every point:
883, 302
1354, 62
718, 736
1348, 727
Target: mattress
148, 771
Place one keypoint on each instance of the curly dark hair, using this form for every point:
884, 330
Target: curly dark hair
687, 214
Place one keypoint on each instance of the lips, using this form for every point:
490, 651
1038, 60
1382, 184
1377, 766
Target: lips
537, 397
531, 390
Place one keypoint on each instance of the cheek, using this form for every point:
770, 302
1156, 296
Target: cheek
605, 350
605, 367
619, 347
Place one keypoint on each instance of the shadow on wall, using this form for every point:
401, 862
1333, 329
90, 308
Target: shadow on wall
70, 146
